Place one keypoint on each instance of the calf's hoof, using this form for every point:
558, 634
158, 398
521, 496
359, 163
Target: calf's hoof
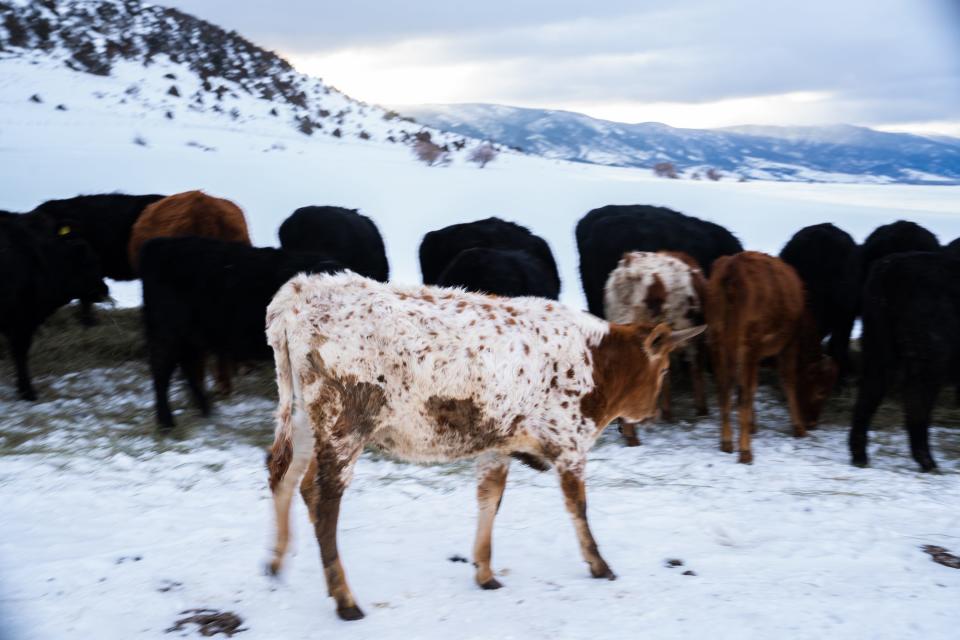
746, 457
350, 613
490, 584
603, 571
631, 442
726, 447
860, 462
273, 568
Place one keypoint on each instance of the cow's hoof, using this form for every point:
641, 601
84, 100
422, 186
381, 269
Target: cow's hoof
631, 442
490, 584
603, 572
29, 395
861, 463
726, 447
350, 613
746, 457
929, 467
273, 568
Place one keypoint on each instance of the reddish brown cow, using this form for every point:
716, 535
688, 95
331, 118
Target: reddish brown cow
756, 310
192, 213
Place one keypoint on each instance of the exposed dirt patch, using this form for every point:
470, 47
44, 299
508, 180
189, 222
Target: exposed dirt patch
210, 622
942, 556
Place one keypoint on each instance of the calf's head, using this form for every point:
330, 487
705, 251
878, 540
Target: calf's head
629, 365
814, 384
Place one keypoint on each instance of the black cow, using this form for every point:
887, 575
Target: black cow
344, 235
953, 248
911, 332
503, 272
205, 296
104, 221
38, 275
897, 237
441, 248
827, 260
605, 234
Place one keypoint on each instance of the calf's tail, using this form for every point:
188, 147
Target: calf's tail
281, 452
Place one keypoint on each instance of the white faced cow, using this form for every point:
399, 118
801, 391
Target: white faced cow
653, 287
433, 375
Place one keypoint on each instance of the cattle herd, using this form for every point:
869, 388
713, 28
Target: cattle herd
481, 361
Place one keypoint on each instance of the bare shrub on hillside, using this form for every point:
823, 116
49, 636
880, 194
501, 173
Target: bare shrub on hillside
483, 154
665, 170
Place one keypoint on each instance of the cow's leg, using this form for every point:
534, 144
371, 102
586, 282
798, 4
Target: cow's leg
303, 466
492, 471
20, 342
919, 396
722, 375
575, 496
697, 359
869, 395
162, 364
787, 365
85, 313
335, 460
749, 367
225, 371
192, 367
629, 431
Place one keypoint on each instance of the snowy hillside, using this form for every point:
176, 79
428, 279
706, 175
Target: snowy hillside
840, 153
126, 59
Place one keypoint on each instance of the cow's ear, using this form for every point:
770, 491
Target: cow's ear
657, 341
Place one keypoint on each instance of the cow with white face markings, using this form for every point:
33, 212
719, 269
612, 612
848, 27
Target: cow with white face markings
653, 287
433, 375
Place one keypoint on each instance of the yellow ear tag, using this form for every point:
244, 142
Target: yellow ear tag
63, 231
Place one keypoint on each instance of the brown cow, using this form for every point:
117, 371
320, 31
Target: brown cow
192, 213
756, 310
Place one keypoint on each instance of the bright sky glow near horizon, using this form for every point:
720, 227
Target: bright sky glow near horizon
889, 64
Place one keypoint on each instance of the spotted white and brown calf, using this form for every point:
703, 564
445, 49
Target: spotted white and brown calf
432, 375
653, 287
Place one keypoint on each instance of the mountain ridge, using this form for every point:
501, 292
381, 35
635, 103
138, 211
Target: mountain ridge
840, 152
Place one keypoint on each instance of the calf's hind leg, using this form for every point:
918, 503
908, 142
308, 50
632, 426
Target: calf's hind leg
575, 496
302, 459
334, 468
492, 471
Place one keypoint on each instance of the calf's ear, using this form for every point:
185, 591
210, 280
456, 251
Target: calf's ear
657, 341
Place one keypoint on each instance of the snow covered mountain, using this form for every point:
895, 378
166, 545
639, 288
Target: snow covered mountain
840, 153
124, 58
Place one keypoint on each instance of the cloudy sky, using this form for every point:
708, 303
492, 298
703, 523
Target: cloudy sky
691, 63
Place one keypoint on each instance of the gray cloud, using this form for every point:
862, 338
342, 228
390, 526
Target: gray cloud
879, 60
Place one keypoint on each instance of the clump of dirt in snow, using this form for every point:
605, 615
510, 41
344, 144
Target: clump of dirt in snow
210, 622
942, 556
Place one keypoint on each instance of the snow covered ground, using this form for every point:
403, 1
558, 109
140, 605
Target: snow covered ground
117, 538
108, 533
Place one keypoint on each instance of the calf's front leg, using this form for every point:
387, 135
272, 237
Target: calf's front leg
575, 496
491, 479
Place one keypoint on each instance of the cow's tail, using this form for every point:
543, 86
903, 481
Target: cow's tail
281, 452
